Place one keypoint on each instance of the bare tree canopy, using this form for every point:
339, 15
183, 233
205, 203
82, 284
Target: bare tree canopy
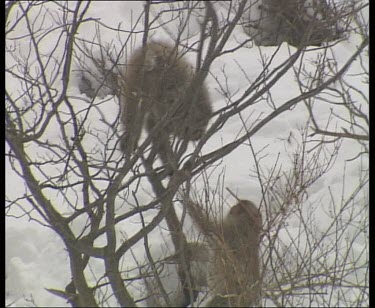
187, 153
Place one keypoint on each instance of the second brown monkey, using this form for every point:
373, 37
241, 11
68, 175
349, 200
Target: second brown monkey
234, 275
155, 96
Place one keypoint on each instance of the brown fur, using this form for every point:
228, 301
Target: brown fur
155, 85
234, 275
290, 21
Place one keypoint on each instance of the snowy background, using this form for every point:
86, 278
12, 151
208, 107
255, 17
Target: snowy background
35, 255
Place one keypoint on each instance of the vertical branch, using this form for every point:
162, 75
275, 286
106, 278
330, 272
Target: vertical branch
175, 227
111, 259
146, 27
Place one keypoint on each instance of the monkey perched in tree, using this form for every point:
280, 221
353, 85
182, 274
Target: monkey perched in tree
297, 22
154, 94
234, 274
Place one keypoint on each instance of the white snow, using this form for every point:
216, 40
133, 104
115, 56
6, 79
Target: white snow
35, 256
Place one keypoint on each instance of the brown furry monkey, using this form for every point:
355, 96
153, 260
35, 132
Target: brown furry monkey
154, 95
234, 274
